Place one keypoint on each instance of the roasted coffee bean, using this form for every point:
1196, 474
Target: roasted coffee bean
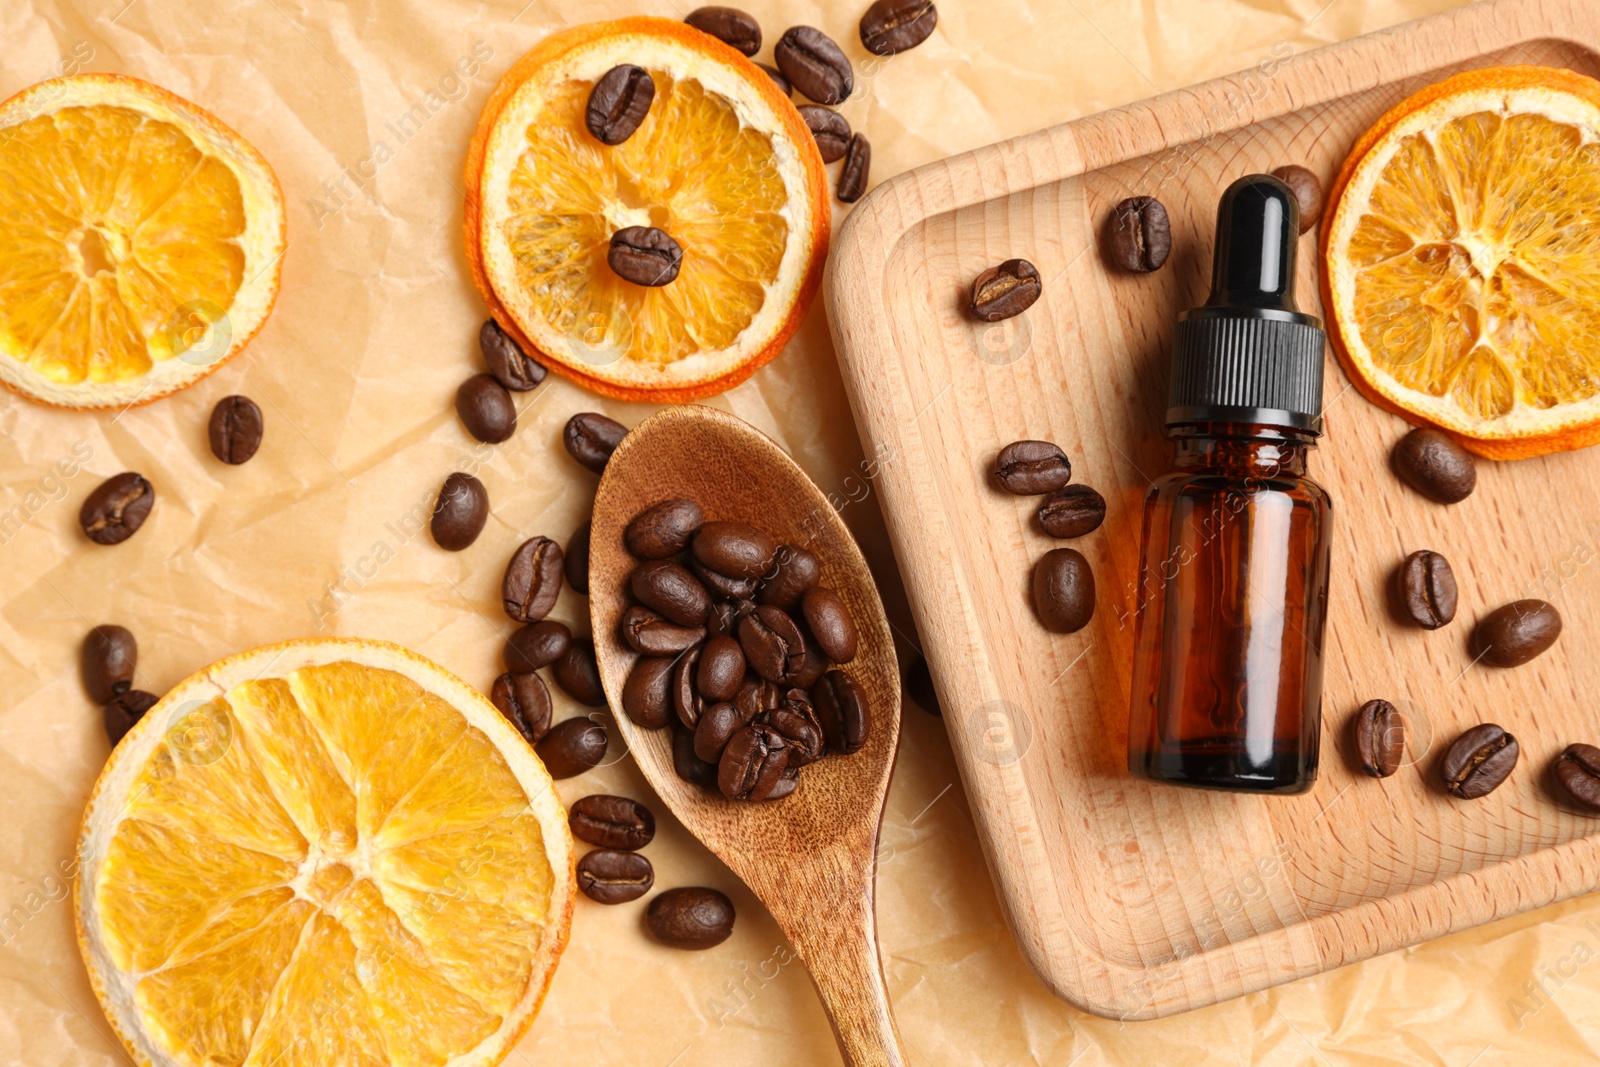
721, 586
723, 618
1138, 235
1005, 291
647, 694
918, 682
533, 580
797, 721
735, 549
125, 709
814, 65
650, 635
235, 429
772, 644
572, 746
690, 918
108, 659
721, 669
578, 675
1063, 590
1072, 511
816, 665
1380, 738
460, 512
116, 508
1032, 468
857, 166
686, 698
618, 103
830, 130
728, 25
752, 763
788, 783
644, 255
829, 621
1433, 464
1307, 190
663, 529
777, 78
523, 699
486, 409
717, 723
1478, 760
590, 438
1425, 589
690, 767
892, 26
755, 696
668, 587
510, 365
795, 570
576, 560
608, 876
1511, 635
536, 645
1578, 771
842, 710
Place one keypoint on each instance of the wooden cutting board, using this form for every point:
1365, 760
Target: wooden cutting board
1137, 900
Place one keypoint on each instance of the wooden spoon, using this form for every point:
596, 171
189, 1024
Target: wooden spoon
810, 856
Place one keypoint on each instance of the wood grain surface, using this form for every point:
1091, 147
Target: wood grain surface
1139, 900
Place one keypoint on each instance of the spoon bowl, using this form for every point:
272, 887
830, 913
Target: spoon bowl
810, 856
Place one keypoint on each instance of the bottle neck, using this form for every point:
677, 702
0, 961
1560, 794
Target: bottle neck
1250, 450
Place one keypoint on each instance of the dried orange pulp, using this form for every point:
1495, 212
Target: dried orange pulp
722, 162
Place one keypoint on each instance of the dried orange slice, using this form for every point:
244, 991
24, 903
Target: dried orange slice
140, 242
323, 852
722, 162
1463, 260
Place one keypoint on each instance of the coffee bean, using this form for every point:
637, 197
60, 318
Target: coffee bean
752, 763
690, 918
721, 669
1032, 468
1513, 634
1005, 291
533, 580
777, 78
723, 618
647, 694
108, 659
728, 25
1063, 590
1425, 589
1478, 760
536, 645
663, 529
125, 709
116, 508
1307, 189
1072, 511
460, 512
1380, 738
717, 724
510, 365
235, 429
831, 623
918, 682
523, 699
618, 103
686, 698
577, 673
829, 129
772, 644
612, 822
788, 783
814, 65
842, 710
795, 570
735, 549
1433, 464
892, 26
690, 767
720, 585
572, 746
649, 634
576, 560
644, 255
1138, 235
1578, 771
755, 696
486, 409
668, 587
816, 664
590, 438
857, 166
796, 720
608, 876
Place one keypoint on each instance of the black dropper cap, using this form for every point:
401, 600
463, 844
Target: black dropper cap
1249, 355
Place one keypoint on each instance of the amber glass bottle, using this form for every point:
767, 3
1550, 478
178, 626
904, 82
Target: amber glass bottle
1233, 583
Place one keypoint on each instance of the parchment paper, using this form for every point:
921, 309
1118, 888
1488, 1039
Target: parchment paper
365, 110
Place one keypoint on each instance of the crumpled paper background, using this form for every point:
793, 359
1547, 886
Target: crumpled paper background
364, 109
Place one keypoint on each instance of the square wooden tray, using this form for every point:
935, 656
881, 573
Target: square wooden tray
1135, 900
